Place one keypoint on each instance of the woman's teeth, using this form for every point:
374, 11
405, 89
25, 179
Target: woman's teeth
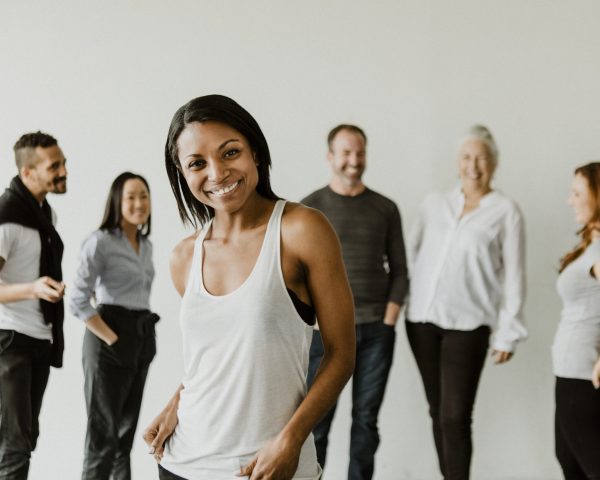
224, 190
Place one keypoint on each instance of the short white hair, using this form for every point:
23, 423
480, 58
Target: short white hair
483, 134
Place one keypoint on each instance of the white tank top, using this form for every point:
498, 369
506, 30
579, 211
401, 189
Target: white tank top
245, 358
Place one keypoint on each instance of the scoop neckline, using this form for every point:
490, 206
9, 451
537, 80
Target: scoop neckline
252, 272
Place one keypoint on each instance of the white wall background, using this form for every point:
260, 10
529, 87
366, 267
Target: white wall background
106, 77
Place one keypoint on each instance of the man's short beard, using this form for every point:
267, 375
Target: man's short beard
60, 185
60, 189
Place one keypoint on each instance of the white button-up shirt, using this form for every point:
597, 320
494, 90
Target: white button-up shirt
469, 271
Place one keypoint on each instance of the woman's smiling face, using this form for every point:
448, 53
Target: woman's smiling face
475, 165
218, 165
581, 200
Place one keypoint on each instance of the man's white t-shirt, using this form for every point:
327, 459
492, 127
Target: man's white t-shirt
21, 249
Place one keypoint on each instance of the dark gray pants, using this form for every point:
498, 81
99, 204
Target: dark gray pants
24, 370
114, 384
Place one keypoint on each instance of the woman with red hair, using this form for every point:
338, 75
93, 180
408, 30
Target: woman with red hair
576, 349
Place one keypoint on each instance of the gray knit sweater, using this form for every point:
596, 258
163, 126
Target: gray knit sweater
370, 231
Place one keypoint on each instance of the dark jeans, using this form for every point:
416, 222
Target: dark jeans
374, 354
114, 384
450, 363
24, 370
164, 474
577, 428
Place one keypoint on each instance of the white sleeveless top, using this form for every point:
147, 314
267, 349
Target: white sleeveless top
245, 358
576, 345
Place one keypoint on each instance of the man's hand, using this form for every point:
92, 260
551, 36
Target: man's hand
47, 289
392, 311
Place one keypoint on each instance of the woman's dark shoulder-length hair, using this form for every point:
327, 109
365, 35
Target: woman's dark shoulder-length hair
112, 212
222, 109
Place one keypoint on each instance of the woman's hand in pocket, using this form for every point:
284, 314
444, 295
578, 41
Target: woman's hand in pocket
277, 460
100, 328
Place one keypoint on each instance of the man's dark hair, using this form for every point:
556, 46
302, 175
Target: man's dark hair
25, 147
112, 212
344, 126
216, 108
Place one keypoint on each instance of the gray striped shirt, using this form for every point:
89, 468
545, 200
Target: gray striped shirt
370, 231
110, 271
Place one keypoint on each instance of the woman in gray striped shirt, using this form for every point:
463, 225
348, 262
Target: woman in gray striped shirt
115, 269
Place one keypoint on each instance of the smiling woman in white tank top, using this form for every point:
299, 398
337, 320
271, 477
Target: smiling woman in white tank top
252, 281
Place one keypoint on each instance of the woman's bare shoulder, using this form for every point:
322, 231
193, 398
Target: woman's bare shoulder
304, 226
180, 262
297, 215
183, 251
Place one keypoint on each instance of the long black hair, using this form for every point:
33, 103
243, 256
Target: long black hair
112, 211
222, 109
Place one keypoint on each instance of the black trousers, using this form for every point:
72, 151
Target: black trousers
374, 355
24, 371
164, 474
577, 428
450, 363
114, 384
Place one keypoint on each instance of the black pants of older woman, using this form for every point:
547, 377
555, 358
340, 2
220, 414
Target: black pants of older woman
450, 363
577, 428
114, 383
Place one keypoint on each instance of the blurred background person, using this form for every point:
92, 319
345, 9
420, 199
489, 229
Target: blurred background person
468, 277
115, 270
576, 349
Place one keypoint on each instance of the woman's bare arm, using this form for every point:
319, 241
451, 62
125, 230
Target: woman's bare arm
307, 235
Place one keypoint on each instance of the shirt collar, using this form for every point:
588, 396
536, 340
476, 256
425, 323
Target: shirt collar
457, 198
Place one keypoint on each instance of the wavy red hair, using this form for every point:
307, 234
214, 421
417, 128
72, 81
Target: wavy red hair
591, 173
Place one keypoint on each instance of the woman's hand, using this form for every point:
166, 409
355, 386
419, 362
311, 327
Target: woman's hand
501, 357
159, 430
277, 460
100, 328
596, 374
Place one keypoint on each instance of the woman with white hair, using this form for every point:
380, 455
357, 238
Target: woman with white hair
468, 278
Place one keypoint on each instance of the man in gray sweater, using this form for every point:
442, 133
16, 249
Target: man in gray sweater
370, 231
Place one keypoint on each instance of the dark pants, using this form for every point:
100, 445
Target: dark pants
164, 474
374, 354
577, 428
450, 363
114, 384
24, 370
